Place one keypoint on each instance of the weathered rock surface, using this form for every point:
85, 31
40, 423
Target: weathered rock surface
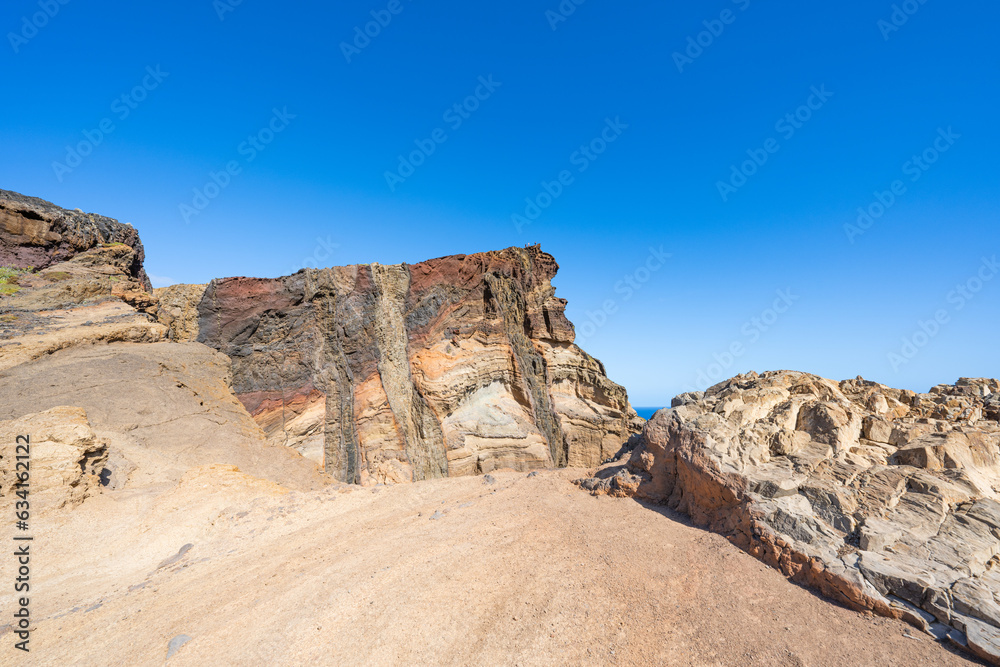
161, 409
25, 337
882, 499
454, 366
62, 455
524, 571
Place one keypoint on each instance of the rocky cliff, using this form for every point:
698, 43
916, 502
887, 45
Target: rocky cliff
37, 234
883, 499
68, 279
454, 366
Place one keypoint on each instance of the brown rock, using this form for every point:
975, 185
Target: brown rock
91, 290
38, 234
88, 299
178, 310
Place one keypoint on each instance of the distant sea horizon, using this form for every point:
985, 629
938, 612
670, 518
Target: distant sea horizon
647, 413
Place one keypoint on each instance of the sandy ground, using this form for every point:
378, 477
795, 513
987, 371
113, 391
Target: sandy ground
523, 571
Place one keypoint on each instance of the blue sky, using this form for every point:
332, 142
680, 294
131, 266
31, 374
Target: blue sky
642, 110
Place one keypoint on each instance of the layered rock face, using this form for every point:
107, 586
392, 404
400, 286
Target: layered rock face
453, 366
882, 499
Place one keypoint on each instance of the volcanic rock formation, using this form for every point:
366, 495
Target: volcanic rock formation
63, 452
150, 476
454, 366
883, 499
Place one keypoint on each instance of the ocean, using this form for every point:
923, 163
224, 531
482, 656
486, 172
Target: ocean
646, 413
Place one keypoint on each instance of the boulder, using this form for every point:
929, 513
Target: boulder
65, 458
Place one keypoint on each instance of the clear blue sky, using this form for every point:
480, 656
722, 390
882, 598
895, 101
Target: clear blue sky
318, 191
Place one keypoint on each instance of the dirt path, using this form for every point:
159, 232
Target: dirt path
524, 571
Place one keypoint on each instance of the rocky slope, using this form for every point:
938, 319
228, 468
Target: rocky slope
882, 499
223, 568
157, 409
454, 366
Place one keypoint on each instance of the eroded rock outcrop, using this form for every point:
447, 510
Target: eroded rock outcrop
453, 366
61, 453
38, 234
68, 278
160, 408
883, 499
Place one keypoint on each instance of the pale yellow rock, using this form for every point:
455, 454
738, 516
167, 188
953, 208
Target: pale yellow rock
178, 310
485, 426
65, 458
378, 434
591, 408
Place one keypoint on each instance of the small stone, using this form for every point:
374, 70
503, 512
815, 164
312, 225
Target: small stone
176, 643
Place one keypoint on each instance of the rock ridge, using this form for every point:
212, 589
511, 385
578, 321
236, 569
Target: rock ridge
68, 278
